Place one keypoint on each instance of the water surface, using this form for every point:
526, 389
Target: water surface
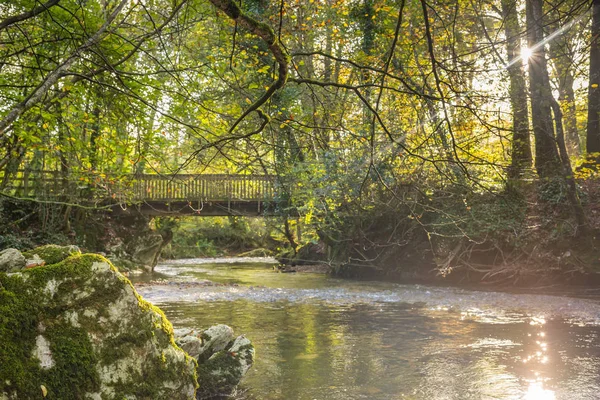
319, 337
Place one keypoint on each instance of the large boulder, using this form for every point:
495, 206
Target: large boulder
223, 360
132, 242
78, 329
145, 249
11, 260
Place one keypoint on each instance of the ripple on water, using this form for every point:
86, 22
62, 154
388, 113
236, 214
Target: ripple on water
489, 307
165, 266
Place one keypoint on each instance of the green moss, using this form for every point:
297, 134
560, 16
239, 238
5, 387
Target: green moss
75, 285
75, 372
52, 253
18, 322
226, 365
21, 316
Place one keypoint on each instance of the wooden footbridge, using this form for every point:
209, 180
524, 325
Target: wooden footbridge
151, 194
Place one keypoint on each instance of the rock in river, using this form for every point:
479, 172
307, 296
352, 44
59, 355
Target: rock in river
77, 329
222, 360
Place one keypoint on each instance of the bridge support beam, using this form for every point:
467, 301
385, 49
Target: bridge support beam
205, 209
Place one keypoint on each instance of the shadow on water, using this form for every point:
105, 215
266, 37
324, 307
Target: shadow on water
321, 338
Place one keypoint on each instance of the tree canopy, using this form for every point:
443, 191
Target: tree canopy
354, 105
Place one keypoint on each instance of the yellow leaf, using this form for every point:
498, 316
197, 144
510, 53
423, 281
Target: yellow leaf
44, 390
594, 85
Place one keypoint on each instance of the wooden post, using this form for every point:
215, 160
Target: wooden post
228, 194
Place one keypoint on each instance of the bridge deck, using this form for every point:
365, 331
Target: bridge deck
181, 194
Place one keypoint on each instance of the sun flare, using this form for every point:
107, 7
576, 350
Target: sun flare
526, 53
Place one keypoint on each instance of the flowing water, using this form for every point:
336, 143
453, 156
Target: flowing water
318, 337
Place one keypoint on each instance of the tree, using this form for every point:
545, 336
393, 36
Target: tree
521, 143
547, 161
562, 56
593, 121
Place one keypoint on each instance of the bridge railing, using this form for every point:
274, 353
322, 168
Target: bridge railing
87, 186
71, 186
207, 187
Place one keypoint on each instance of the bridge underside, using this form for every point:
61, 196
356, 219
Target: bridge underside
206, 209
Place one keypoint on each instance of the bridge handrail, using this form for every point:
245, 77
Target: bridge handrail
98, 186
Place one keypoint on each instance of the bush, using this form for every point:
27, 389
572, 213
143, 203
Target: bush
16, 242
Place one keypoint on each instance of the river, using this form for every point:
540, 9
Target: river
319, 337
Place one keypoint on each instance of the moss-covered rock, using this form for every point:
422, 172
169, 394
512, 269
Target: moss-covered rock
51, 253
222, 372
77, 329
222, 360
203, 344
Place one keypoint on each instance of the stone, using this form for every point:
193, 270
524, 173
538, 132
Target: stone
222, 360
215, 339
203, 344
136, 251
49, 254
244, 352
220, 374
34, 261
79, 328
191, 345
11, 260
144, 249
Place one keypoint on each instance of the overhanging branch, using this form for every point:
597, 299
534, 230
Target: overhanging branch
266, 33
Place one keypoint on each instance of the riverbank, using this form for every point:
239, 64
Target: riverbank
520, 238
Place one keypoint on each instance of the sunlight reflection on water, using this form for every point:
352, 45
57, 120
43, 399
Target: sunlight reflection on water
536, 391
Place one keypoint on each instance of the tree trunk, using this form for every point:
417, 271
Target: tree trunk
550, 164
521, 142
563, 61
593, 123
547, 162
572, 196
94, 136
